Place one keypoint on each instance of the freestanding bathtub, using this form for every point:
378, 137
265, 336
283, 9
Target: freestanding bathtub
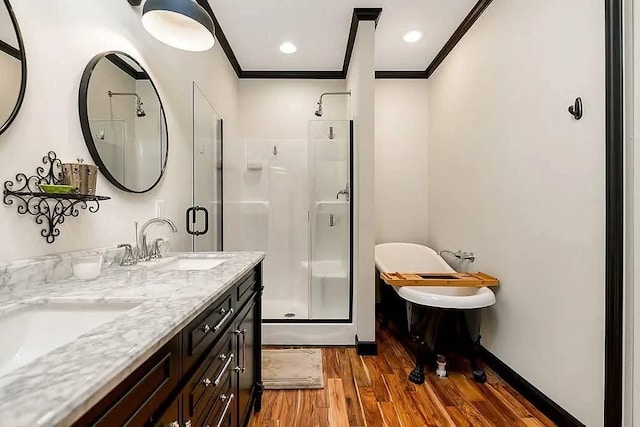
438, 318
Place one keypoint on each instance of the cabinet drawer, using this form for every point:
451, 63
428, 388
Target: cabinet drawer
246, 288
134, 401
210, 377
205, 330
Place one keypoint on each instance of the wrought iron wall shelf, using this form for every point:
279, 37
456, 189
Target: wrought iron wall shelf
50, 210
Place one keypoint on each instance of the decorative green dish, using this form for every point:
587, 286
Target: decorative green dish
56, 188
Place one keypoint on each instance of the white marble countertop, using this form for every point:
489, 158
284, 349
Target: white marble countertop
60, 386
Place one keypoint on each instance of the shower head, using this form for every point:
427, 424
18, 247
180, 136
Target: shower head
319, 110
139, 110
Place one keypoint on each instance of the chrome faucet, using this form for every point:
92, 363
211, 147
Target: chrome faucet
143, 250
346, 192
469, 256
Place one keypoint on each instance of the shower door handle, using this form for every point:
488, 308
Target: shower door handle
192, 220
197, 209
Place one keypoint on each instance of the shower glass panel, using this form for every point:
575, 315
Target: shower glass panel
207, 175
330, 219
288, 237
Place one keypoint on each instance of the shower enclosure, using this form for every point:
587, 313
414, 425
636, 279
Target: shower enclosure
308, 269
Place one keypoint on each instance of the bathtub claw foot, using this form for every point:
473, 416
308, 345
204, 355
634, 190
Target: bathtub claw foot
417, 375
480, 376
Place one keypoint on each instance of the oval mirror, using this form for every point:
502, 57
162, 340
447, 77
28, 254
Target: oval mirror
13, 66
123, 122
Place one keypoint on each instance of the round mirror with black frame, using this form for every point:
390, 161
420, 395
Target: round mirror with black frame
13, 66
123, 122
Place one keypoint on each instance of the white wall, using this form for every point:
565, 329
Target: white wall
401, 161
361, 82
49, 118
514, 178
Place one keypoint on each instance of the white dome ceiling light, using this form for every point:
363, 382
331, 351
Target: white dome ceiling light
412, 36
182, 24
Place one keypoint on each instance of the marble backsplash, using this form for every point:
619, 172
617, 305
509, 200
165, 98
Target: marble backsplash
29, 273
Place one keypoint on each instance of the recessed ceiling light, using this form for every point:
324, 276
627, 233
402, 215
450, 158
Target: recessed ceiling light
412, 36
288, 48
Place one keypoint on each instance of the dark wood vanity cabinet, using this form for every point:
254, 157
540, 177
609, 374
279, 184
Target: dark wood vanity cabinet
208, 375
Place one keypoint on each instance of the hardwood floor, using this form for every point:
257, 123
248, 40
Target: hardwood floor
374, 391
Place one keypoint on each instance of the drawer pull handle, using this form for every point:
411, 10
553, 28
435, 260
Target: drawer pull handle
223, 370
243, 332
206, 329
229, 398
224, 319
206, 382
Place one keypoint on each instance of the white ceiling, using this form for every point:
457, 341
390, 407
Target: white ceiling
320, 29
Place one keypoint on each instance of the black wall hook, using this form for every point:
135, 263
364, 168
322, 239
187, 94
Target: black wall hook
576, 109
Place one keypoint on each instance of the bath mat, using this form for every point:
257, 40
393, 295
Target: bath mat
292, 369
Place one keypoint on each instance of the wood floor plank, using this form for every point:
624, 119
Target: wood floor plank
352, 402
331, 362
509, 401
535, 412
532, 422
357, 367
323, 417
272, 408
458, 419
307, 414
338, 416
389, 414
378, 385
407, 413
372, 414
467, 387
499, 404
288, 408
451, 397
489, 412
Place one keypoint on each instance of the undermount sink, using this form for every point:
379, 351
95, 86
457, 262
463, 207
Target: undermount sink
191, 264
29, 332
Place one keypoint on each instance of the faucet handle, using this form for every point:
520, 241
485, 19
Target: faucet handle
155, 249
127, 257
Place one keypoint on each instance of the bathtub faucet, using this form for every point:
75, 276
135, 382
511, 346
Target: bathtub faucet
469, 256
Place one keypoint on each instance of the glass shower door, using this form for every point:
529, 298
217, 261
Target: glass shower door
204, 218
330, 217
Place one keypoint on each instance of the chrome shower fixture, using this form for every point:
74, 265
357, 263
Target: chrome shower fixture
319, 110
139, 110
469, 256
